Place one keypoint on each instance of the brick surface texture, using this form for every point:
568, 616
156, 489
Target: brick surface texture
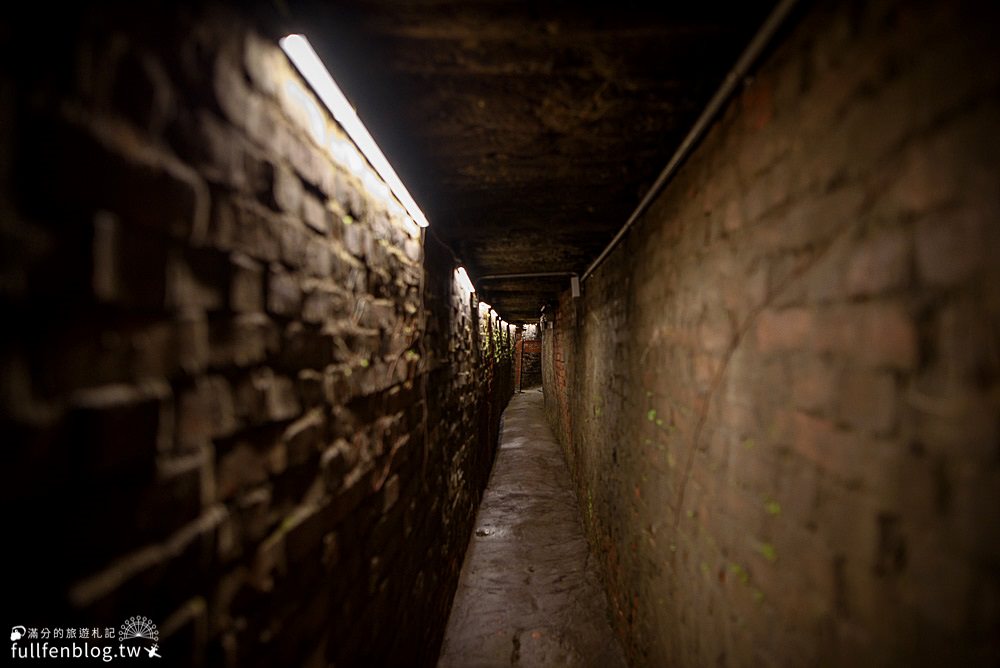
241, 396
527, 358
531, 363
779, 396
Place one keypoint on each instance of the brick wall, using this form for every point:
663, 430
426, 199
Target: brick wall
518, 349
531, 361
240, 395
527, 357
557, 371
779, 395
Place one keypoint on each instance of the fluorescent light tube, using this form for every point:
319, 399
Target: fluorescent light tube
302, 55
464, 281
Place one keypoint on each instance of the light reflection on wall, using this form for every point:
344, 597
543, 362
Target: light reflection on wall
312, 116
357, 152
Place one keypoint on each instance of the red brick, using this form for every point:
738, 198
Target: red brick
295, 239
282, 402
879, 334
284, 294
230, 89
788, 329
715, 332
264, 397
868, 401
879, 264
192, 340
921, 184
254, 337
306, 159
288, 191
248, 227
822, 442
318, 258
951, 420
315, 214
214, 146
706, 368
950, 248
197, 281
814, 385
246, 291
320, 303
963, 341
264, 64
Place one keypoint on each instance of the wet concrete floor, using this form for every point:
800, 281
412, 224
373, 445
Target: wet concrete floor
529, 593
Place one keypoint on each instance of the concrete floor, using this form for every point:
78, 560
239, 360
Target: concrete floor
529, 593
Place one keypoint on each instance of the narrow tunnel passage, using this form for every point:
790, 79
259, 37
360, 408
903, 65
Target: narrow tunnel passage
530, 592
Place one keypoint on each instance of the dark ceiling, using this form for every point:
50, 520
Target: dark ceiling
527, 131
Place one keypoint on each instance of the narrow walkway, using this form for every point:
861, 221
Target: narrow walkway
529, 593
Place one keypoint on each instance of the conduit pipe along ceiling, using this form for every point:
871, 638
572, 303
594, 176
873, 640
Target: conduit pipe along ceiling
308, 63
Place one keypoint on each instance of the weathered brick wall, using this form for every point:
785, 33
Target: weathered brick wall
527, 357
531, 361
237, 398
779, 396
518, 349
557, 371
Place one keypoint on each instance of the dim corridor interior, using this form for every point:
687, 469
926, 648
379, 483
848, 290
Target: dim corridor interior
530, 592
272, 274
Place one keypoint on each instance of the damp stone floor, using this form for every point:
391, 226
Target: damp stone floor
529, 592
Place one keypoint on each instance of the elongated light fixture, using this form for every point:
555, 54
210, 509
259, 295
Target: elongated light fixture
302, 55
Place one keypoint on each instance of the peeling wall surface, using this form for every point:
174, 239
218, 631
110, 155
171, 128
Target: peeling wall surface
779, 395
241, 396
